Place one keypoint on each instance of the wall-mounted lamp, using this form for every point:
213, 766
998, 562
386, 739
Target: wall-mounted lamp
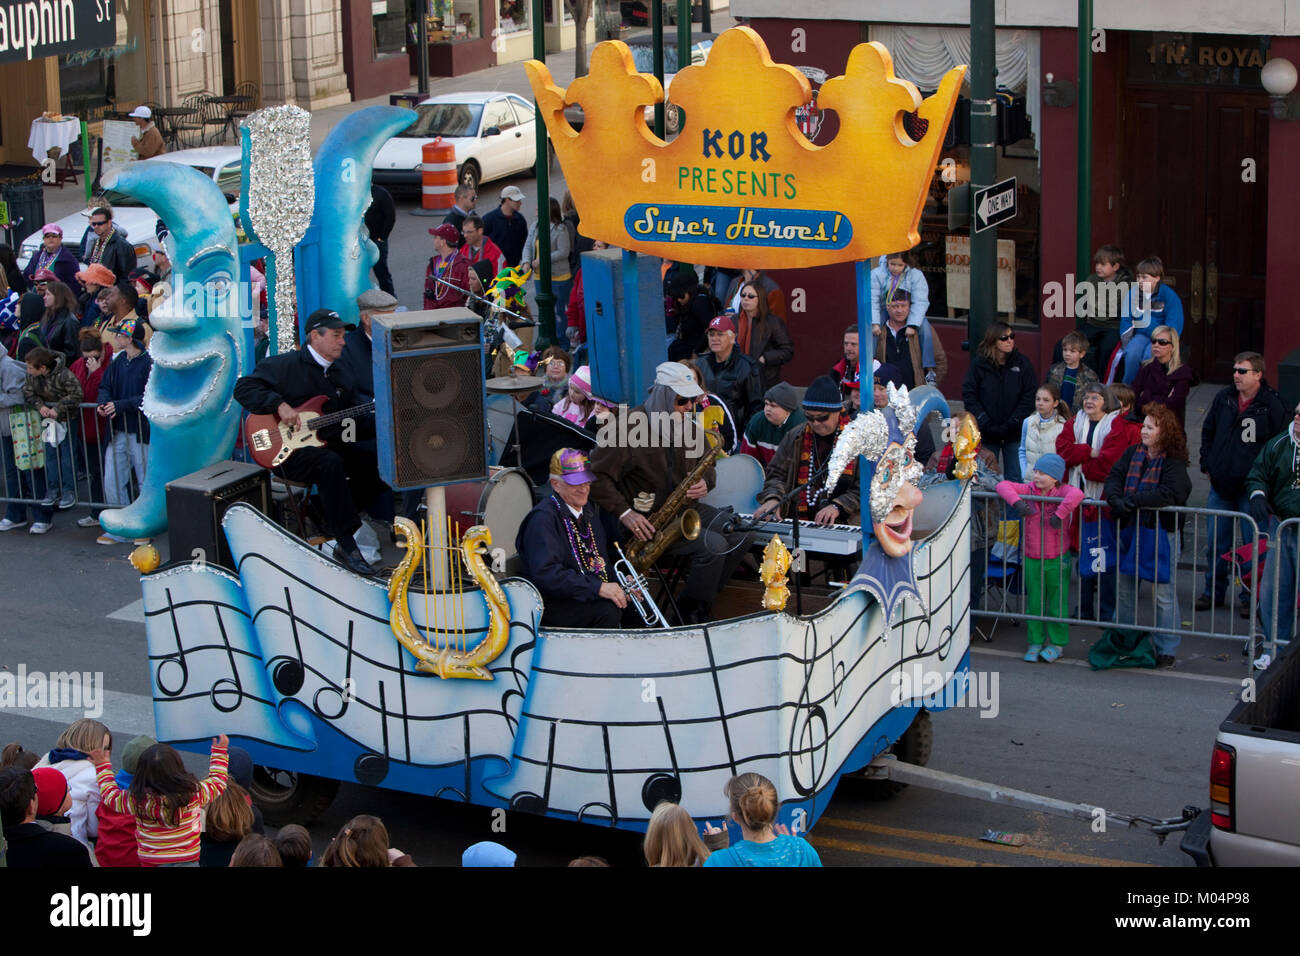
1058, 94
1279, 79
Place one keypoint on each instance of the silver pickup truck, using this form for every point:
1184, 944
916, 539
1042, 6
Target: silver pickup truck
1253, 819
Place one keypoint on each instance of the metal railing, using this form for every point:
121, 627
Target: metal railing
1128, 579
99, 463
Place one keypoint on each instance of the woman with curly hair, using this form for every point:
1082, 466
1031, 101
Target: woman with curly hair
1151, 476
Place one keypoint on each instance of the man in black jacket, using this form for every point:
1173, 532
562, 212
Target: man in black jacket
32, 845
345, 475
731, 374
109, 247
1241, 419
691, 312
506, 225
381, 216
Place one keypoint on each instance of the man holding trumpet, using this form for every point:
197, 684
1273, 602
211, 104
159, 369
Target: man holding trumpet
566, 554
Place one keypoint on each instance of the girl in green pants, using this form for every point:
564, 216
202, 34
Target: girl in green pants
1047, 582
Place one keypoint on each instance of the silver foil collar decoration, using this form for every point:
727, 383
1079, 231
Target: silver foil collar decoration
281, 199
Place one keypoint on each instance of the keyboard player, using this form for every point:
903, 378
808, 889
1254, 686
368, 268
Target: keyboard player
803, 452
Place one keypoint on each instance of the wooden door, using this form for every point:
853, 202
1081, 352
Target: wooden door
1184, 199
241, 44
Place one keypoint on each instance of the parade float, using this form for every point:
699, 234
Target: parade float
444, 683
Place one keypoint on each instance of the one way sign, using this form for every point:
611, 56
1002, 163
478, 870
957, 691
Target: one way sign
994, 204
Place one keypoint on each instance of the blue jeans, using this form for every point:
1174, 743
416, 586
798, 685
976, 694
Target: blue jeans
1222, 534
1009, 453
1136, 352
1164, 635
60, 479
1282, 587
560, 288
22, 484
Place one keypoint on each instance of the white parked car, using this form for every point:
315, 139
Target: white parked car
223, 163
494, 135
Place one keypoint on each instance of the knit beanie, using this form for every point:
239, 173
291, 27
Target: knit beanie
1051, 464
823, 395
132, 751
783, 395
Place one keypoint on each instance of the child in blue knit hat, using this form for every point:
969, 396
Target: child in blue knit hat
1047, 569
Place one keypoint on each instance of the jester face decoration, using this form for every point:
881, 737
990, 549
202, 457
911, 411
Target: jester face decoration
894, 496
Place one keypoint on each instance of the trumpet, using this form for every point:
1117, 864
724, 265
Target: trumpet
638, 591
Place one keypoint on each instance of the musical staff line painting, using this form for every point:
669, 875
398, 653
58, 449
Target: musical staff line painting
296, 658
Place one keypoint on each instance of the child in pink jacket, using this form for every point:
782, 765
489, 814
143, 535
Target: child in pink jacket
1045, 548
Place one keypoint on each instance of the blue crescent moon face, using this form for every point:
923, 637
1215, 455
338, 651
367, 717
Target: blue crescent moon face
342, 169
197, 346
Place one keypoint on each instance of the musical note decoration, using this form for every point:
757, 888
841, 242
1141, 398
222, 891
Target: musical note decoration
295, 657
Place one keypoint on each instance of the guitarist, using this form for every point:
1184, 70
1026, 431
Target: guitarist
345, 475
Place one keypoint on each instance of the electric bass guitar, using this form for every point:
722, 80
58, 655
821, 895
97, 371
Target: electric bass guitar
271, 441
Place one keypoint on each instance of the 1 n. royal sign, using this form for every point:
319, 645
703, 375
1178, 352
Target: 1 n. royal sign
41, 28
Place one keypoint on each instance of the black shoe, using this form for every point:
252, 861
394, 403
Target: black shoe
1165, 661
1203, 603
353, 560
1243, 609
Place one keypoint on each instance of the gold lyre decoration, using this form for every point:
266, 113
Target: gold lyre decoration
966, 446
773, 573
445, 658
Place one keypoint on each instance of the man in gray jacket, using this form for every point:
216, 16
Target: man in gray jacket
30, 482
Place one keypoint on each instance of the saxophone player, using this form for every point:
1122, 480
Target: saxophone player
641, 466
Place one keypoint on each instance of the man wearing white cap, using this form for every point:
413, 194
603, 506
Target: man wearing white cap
506, 225
150, 142
636, 473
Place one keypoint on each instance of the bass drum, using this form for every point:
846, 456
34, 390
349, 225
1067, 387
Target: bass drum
740, 479
501, 502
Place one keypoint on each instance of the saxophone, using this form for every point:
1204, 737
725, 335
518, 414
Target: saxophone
670, 521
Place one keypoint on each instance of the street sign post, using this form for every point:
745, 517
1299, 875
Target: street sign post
994, 204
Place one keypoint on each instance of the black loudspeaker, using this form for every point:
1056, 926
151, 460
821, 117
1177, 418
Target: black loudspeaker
197, 502
429, 398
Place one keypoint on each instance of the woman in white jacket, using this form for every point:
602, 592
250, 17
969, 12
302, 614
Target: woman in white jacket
70, 757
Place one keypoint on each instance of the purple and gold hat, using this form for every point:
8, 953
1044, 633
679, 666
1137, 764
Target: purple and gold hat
570, 465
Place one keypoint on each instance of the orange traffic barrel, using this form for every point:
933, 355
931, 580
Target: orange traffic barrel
438, 175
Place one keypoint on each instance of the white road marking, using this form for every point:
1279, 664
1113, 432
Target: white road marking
124, 713
133, 612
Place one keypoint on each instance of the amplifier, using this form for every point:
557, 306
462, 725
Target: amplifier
197, 502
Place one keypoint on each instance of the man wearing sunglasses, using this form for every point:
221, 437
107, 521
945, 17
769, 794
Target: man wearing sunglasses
1240, 420
1274, 489
639, 465
802, 454
104, 244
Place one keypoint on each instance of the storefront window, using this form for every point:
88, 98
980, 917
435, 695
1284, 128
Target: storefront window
467, 19
512, 15
105, 78
388, 18
550, 11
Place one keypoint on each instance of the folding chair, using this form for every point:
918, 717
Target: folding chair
1003, 573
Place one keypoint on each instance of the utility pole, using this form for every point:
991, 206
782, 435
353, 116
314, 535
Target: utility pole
545, 297
422, 54
983, 168
1083, 201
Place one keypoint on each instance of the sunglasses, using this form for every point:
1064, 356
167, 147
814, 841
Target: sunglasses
1009, 337
1242, 371
1161, 342
817, 419
683, 402
748, 295
99, 222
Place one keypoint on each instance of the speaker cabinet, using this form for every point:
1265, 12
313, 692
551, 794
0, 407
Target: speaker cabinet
197, 502
429, 398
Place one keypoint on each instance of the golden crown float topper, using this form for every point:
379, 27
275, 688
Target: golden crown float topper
741, 186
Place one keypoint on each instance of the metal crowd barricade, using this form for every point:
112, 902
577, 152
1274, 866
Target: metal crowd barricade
75, 470
1002, 579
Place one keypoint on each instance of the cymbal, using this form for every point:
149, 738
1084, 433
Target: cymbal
506, 384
